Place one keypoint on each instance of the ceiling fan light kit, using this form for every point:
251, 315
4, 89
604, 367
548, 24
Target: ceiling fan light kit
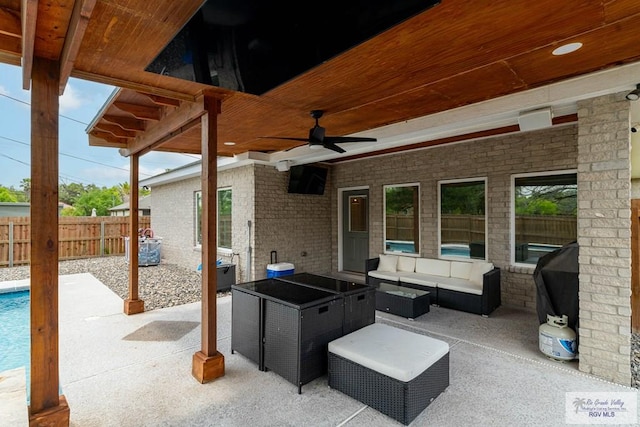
634, 95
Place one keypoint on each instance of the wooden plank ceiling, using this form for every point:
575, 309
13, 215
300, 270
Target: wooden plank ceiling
455, 54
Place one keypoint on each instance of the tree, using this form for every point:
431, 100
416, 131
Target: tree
100, 199
546, 200
7, 195
25, 185
69, 193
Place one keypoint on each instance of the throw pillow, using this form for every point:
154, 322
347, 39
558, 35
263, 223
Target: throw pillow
406, 263
388, 263
478, 270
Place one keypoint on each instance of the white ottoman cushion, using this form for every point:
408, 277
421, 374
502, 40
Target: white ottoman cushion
394, 352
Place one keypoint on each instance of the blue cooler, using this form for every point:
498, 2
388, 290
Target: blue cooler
279, 269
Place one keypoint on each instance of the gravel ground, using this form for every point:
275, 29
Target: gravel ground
162, 285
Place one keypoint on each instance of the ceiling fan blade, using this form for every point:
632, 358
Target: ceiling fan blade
333, 147
340, 139
284, 137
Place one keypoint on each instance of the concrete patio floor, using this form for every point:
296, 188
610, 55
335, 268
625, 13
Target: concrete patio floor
119, 370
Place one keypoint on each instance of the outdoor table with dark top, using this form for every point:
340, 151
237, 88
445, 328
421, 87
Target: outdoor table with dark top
402, 301
359, 300
285, 327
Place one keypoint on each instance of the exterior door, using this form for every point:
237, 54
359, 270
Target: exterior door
355, 229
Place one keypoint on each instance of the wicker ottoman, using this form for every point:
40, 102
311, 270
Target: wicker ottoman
394, 371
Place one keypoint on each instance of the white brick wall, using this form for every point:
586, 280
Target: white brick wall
604, 223
497, 158
291, 224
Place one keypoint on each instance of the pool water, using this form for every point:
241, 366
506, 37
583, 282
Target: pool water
14, 331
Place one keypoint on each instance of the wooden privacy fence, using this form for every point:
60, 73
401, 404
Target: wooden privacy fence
550, 230
79, 237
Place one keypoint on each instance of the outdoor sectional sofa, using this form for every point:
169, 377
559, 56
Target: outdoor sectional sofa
471, 286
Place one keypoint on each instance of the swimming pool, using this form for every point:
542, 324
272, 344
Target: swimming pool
15, 341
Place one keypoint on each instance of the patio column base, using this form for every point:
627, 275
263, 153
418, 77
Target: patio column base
207, 368
133, 306
54, 416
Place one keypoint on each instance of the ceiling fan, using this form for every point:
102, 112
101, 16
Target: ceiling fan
317, 138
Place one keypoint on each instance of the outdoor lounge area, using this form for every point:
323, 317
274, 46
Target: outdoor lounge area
131, 371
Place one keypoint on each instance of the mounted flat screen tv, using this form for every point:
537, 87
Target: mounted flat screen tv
307, 179
254, 46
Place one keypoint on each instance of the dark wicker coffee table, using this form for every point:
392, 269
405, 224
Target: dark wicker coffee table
402, 301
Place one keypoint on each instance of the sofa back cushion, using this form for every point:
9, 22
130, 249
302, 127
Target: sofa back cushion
435, 267
461, 269
388, 263
406, 264
477, 271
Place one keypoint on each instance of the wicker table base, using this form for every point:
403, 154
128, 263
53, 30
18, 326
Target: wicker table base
402, 301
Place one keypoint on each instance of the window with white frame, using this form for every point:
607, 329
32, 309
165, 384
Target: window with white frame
198, 218
462, 218
223, 215
402, 218
544, 214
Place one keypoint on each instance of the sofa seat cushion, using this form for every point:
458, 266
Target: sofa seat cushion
391, 351
459, 285
420, 279
385, 275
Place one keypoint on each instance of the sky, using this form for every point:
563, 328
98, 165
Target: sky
79, 162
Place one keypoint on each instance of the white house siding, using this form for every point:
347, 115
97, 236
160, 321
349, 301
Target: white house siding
496, 158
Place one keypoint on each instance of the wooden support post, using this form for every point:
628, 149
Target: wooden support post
133, 305
46, 406
208, 363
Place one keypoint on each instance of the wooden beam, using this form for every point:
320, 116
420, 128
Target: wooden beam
82, 10
156, 134
109, 137
161, 100
46, 405
10, 45
96, 141
133, 304
29, 14
140, 111
114, 130
126, 123
10, 24
208, 363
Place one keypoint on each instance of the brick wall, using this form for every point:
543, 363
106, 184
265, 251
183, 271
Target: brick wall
604, 223
496, 158
291, 224
173, 218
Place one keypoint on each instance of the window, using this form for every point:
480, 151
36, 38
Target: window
463, 221
224, 218
402, 218
198, 219
544, 214
358, 214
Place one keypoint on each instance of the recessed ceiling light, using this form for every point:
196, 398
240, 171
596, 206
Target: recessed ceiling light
567, 48
229, 143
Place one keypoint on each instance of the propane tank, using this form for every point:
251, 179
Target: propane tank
557, 340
